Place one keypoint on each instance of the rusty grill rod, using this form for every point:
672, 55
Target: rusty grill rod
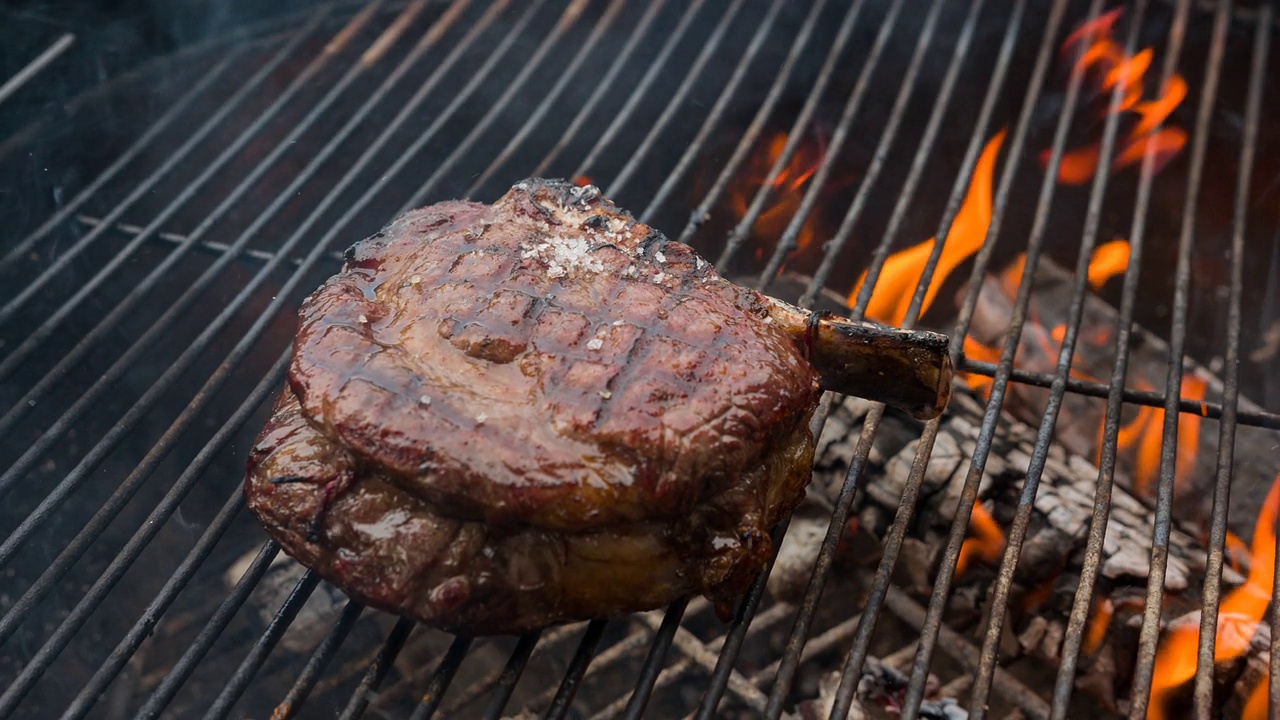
861, 644
1017, 534
1084, 596
1149, 635
969, 493
1231, 379
800, 630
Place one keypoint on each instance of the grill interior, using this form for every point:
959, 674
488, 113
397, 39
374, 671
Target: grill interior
161, 230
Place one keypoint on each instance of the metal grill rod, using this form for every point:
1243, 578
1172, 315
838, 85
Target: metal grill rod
677, 100
253, 660
861, 645
697, 145
500, 695
173, 681
174, 311
441, 678
378, 669
11, 306
740, 232
1231, 381
888, 136
552, 96
788, 240
1084, 596
567, 19
1149, 635
946, 573
115, 662
1017, 534
39, 63
318, 661
1147, 398
800, 630
656, 66
577, 669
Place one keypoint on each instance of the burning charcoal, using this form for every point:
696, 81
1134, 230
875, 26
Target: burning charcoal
1079, 427
794, 564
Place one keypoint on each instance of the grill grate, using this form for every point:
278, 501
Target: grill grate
147, 320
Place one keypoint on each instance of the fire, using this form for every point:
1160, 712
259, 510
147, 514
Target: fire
1116, 70
1255, 708
785, 191
985, 541
1238, 616
1109, 260
582, 181
1099, 622
902, 270
1147, 468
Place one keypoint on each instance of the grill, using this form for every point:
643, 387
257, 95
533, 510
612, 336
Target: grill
152, 277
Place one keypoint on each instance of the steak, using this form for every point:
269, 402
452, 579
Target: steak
502, 417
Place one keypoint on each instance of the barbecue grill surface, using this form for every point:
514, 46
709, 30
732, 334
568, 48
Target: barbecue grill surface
160, 231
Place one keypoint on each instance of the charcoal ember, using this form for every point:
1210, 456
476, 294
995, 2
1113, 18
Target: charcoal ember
794, 563
880, 693
1256, 463
1049, 566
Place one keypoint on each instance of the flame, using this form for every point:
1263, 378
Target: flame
1108, 261
785, 191
1255, 708
1237, 552
902, 270
1116, 70
1099, 623
975, 350
1147, 468
1238, 616
985, 542
582, 181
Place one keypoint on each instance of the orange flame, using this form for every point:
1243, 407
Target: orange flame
785, 190
902, 270
985, 541
1147, 468
1109, 260
582, 181
1255, 708
1099, 623
1116, 70
1238, 616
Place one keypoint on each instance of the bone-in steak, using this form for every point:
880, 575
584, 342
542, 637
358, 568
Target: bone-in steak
500, 417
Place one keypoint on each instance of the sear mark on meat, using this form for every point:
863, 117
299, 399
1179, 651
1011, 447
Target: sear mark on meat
501, 417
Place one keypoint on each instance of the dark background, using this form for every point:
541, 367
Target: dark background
112, 37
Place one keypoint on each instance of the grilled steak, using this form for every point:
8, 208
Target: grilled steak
503, 417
